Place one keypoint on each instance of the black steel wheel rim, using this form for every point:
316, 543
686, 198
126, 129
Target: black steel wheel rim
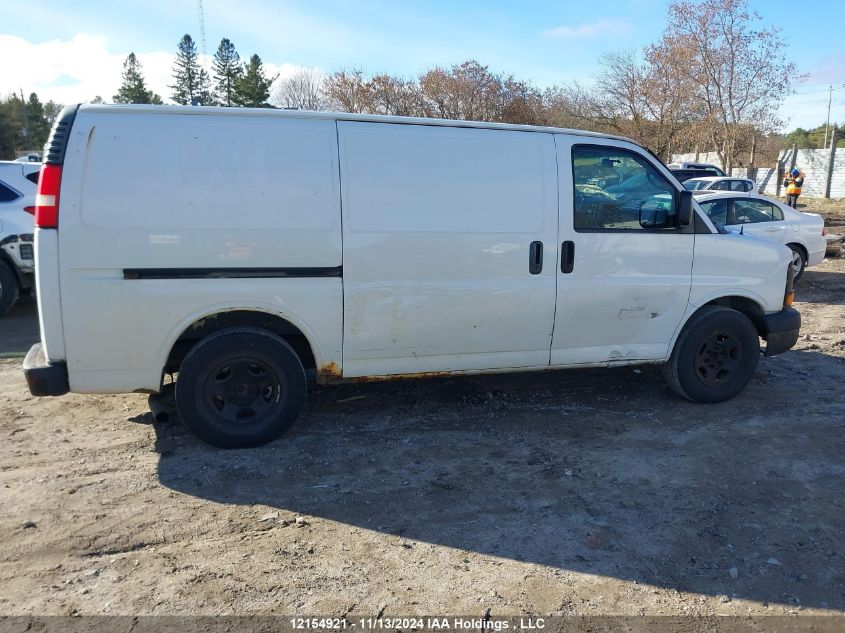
718, 358
242, 391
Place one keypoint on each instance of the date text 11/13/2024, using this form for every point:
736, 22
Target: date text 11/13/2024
420, 623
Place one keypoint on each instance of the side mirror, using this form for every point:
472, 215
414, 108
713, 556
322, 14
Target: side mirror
655, 213
684, 206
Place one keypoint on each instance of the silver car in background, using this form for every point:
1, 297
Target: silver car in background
759, 215
719, 183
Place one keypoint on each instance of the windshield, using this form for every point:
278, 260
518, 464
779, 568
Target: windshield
694, 184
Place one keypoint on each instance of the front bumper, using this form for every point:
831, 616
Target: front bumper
780, 330
43, 377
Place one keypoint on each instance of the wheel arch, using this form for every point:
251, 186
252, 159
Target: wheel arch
748, 306
744, 305
802, 246
200, 325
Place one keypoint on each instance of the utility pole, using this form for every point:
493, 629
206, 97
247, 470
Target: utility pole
827, 125
202, 31
830, 160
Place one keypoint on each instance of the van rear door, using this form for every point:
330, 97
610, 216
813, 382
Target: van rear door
622, 288
443, 233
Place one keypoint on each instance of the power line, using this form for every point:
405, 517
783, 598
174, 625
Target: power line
822, 100
812, 92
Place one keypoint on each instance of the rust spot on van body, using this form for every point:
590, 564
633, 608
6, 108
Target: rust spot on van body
329, 372
385, 378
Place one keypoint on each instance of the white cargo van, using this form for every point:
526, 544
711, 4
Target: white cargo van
240, 249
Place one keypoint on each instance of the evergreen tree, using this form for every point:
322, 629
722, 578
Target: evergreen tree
37, 127
133, 89
191, 83
11, 130
227, 72
24, 124
253, 89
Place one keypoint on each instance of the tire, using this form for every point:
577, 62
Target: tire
9, 289
715, 356
240, 387
799, 261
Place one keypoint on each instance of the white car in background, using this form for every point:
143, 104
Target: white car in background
758, 215
713, 169
719, 183
18, 182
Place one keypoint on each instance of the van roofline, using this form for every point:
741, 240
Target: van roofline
339, 116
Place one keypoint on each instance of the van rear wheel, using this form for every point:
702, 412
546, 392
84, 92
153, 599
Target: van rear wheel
240, 387
715, 356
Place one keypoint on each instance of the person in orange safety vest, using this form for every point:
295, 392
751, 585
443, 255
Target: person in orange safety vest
793, 181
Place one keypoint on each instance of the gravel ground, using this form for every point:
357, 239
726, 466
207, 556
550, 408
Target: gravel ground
573, 492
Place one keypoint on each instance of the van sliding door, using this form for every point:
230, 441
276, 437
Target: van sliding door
449, 248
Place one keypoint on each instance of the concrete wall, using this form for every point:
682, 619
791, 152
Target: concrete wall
812, 162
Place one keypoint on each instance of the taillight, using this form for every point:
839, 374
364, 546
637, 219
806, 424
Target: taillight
47, 198
30, 210
824, 231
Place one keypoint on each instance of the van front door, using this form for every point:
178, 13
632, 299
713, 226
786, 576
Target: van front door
449, 248
623, 287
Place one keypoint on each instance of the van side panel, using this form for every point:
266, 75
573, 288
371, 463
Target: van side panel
167, 211
438, 224
738, 266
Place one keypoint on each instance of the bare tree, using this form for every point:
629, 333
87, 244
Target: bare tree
465, 91
303, 90
347, 91
572, 106
647, 100
738, 69
521, 103
391, 95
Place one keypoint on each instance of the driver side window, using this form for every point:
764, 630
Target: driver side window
618, 190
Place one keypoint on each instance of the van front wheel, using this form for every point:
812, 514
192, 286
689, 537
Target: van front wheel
240, 387
714, 357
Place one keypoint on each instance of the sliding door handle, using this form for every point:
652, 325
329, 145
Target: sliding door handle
535, 258
567, 257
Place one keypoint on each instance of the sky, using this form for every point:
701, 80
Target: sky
73, 50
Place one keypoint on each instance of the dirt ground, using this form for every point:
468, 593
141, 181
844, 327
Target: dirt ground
573, 492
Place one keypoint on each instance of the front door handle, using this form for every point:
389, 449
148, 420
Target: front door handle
535, 258
567, 257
